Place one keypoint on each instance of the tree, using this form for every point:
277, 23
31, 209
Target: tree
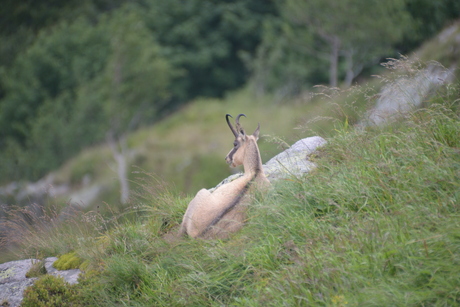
362, 30
41, 87
204, 40
283, 64
77, 85
134, 84
429, 18
82, 76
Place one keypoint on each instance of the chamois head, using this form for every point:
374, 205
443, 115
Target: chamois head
236, 156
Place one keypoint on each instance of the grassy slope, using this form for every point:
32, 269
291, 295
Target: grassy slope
377, 224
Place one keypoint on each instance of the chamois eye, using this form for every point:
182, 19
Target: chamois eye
235, 144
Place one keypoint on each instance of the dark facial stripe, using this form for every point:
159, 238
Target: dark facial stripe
231, 153
232, 205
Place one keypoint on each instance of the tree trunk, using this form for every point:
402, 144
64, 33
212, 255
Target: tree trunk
349, 63
334, 61
119, 151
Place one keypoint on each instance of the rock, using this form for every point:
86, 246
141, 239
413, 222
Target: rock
86, 196
32, 192
294, 160
70, 276
407, 93
291, 162
13, 280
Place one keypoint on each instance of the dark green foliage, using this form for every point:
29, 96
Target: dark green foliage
295, 51
75, 84
112, 71
205, 38
430, 17
72, 71
282, 63
38, 110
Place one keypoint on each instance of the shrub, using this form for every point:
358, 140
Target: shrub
68, 261
48, 291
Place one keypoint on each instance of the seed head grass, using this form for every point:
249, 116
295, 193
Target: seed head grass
376, 224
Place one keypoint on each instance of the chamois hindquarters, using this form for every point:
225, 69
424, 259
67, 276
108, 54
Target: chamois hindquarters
193, 217
207, 216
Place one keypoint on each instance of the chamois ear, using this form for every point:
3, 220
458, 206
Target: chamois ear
256, 133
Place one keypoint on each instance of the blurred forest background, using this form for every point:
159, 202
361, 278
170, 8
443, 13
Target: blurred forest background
77, 73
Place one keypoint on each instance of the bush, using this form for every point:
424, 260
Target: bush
68, 261
48, 291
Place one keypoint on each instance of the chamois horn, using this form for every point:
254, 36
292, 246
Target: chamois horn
238, 126
230, 125
237, 120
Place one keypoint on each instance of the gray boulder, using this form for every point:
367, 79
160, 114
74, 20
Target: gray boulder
293, 162
406, 94
13, 280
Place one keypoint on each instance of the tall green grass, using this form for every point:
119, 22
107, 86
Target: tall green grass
377, 224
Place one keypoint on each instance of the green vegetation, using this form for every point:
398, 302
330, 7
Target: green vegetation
369, 33
68, 261
48, 291
376, 224
38, 269
111, 69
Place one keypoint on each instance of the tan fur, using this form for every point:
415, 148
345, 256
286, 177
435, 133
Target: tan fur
217, 214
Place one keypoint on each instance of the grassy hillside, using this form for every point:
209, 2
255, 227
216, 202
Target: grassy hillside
376, 224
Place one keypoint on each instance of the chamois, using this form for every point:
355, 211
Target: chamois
217, 214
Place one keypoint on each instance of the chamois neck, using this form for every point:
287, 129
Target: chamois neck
252, 161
